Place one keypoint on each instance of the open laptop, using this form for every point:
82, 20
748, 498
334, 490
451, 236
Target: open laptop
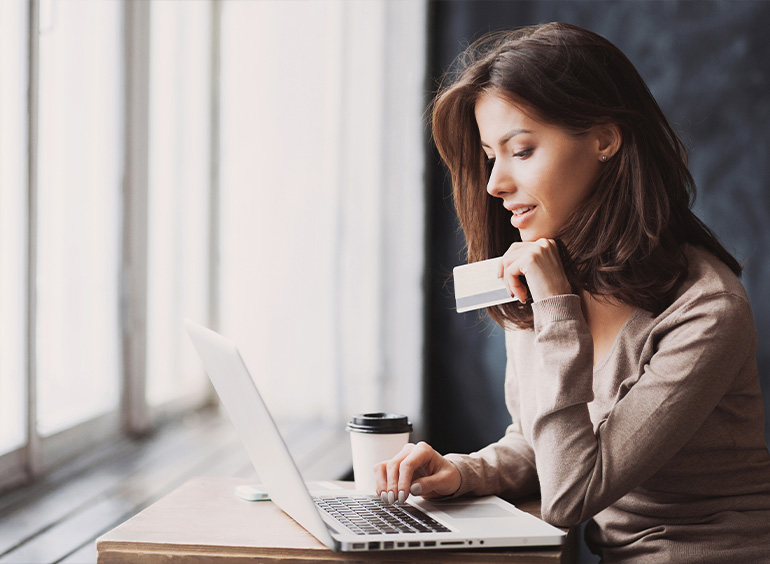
340, 518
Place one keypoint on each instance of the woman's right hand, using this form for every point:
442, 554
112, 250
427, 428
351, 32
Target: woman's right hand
419, 470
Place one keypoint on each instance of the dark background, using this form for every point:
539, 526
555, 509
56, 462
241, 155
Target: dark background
708, 65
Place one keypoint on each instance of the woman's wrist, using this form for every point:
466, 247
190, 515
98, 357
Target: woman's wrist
557, 308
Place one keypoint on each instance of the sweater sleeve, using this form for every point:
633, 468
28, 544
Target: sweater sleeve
506, 467
583, 471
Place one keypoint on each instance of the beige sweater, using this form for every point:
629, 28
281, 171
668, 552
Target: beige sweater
662, 443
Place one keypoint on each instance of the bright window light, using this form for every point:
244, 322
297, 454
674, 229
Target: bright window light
322, 201
13, 224
80, 171
179, 180
279, 203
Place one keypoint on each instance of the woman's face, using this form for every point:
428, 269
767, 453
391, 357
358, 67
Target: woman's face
540, 172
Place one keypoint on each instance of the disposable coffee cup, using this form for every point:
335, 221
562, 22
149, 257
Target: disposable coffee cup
374, 438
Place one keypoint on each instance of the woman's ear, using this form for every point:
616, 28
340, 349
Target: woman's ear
608, 140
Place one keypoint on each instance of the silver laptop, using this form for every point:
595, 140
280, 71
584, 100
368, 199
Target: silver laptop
351, 520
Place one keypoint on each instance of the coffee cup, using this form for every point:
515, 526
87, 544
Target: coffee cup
374, 438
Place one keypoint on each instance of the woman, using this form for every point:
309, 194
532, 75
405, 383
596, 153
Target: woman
631, 376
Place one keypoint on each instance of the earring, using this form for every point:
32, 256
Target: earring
605, 158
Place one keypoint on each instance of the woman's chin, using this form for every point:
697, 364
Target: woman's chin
529, 236
532, 235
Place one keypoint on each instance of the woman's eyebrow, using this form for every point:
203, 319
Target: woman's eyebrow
507, 137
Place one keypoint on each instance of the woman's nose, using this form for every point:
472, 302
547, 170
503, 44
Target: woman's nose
499, 182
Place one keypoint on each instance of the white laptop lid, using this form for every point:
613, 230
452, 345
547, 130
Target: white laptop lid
258, 432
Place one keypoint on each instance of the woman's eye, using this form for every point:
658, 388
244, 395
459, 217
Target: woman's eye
523, 154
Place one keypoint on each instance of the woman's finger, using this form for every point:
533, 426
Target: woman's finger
387, 473
539, 262
419, 462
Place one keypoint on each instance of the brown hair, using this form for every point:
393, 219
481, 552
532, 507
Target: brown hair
625, 241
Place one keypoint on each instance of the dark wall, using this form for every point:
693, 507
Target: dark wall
708, 65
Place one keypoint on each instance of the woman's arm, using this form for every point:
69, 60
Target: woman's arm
704, 346
505, 468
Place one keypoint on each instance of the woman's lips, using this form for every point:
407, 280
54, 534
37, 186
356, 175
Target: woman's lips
521, 215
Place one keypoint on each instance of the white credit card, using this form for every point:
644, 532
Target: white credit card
477, 285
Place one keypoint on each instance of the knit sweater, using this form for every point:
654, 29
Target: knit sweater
661, 444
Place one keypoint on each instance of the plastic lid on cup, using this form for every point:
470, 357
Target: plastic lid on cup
379, 423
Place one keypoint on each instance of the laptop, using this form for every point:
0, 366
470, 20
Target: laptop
352, 520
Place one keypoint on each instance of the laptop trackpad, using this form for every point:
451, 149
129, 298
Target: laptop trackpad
471, 509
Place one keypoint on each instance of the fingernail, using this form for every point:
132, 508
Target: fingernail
391, 497
384, 497
401, 496
416, 489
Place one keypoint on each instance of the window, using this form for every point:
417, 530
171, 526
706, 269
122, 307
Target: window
257, 163
178, 194
113, 220
13, 232
78, 223
322, 201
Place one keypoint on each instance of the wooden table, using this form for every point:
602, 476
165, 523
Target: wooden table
203, 521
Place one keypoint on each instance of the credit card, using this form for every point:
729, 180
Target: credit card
477, 285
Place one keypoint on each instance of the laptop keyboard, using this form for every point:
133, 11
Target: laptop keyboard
366, 515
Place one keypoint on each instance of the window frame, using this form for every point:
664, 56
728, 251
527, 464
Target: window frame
133, 417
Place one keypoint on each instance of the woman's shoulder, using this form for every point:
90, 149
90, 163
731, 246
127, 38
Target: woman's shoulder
710, 285
708, 275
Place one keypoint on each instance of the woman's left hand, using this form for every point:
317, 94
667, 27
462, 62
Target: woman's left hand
540, 264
